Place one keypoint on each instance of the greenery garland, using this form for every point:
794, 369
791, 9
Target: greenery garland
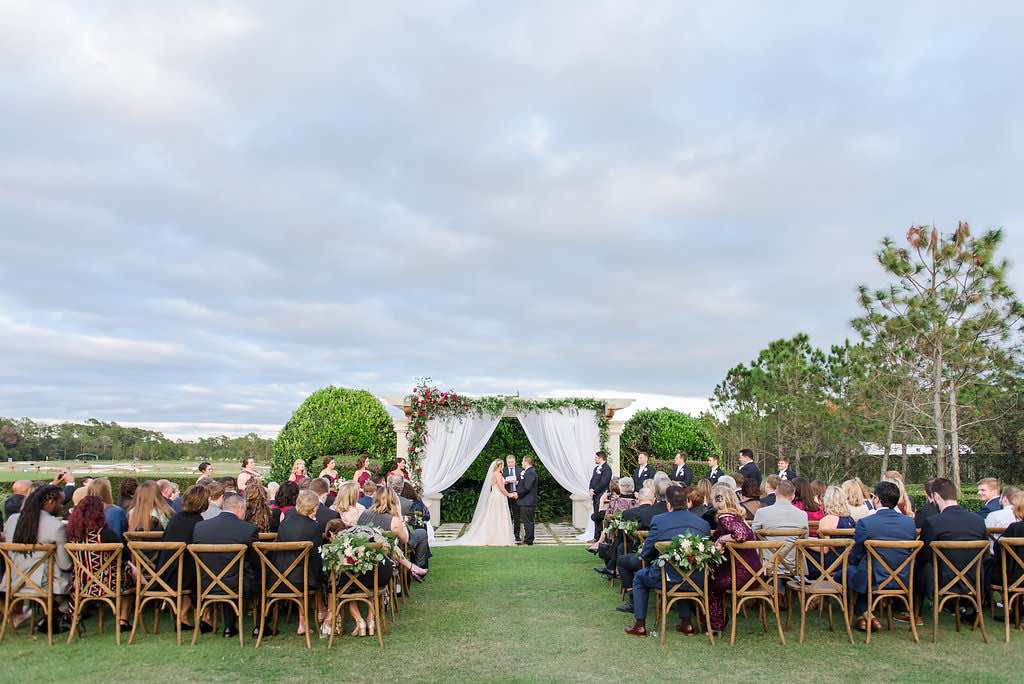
427, 401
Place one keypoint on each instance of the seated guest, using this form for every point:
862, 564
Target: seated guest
324, 514
806, 501
257, 507
216, 491
837, 511
348, 504
697, 502
988, 492
149, 511
230, 528
611, 546
665, 527
613, 501
409, 492
782, 515
855, 500
730, 526
771, 483
38, 522
1006, 515
272, 488
127, 493
76, 498
19, 490
865, 493
369, 488
230, 484
929, 509
247, 474
88, 525
952, 523
625, 499
171, 493
386, 516
303, 526
886, 524
749, 498
418, 539
284, 503
1013, 530
906, 506
180, 528
117, 519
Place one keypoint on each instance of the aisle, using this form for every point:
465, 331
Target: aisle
545, 534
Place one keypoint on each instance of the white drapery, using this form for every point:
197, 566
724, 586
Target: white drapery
565, 442
452, 446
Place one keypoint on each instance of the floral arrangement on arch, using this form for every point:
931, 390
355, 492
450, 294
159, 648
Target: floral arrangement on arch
356, 550
427, 402
690, 552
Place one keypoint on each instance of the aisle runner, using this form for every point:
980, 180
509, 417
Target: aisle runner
545, 533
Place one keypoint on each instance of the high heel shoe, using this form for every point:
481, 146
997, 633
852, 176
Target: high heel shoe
325, 629
369, 627
360, 628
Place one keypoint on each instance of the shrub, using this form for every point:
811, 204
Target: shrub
335, 421
661, 433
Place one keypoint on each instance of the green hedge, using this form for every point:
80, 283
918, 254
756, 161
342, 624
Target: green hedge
661, 433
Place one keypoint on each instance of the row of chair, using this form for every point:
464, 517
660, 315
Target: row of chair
99, 579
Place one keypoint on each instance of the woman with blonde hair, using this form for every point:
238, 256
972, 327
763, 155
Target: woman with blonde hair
150, 511
117, 519
730, 526
298, 471
855, 500
347, 503
905, 506
837, 511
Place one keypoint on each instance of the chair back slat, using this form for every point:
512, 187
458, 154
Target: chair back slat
19, 582
92, 580
236, 562
279, 577
148, 577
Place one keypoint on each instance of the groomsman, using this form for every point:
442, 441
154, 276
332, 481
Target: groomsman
714, 470
682, 473
599, 482
643, 471
511, 475
785, 472
749, 469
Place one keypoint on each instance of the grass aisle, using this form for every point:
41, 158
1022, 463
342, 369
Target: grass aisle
523, 614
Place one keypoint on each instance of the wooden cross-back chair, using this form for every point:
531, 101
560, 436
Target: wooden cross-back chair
762, 586
787, 557
892, 587
217, 592
97, 573
834, 533
396, 578
966, 575
1012, 592
277, 587
352, 589
20, 587
150, 585
268, 536
685, 589
143, 536
830, 583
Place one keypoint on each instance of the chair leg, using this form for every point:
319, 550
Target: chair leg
735, 618
913, 617
156, 617
195, 621
76, 612
803, 617
663, 610
379, 615
935, 618
1006, 615
305, 612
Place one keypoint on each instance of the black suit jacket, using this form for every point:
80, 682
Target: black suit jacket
952, 524
180, 528
644, 514
601, 478
751, 471
226, 528
324, 515
715, 473
300, 528
686, 477
642, 473
923, 513
788, 474
527, 488
12, 505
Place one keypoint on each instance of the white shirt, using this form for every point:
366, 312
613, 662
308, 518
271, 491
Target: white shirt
1004, 517
679, 470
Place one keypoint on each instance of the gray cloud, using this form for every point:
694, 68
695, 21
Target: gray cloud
207, 211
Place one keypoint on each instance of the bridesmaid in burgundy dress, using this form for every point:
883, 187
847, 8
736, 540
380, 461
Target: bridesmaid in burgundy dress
730, 526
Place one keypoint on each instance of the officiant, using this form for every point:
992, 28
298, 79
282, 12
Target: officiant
511, 474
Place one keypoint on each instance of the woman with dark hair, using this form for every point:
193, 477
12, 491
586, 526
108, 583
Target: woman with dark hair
284, 503
88, 525
750, 497
807, 502
247, 474
150, 511
328, 472
362, 474
129, 486
39, 522
400, 469
409, 492
180, 529
257, 508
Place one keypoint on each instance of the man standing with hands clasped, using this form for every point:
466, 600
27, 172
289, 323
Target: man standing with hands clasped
511, 474
599, 482
526, 501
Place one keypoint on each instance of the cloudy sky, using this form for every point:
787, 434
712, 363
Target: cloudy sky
208, 210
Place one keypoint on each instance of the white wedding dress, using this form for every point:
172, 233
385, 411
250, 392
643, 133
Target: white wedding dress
492, 522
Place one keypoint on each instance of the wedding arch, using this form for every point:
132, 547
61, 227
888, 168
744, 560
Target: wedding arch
441, 433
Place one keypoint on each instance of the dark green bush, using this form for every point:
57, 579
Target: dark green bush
333, 420
661, 433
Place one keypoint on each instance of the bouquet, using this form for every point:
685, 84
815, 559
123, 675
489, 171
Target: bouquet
351, 550
690, 552
615, 523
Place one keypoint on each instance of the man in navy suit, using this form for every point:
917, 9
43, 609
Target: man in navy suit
599, 483
886, 524
665, 527
749, 469
952, 523
682, 474
988, 492
643, 471
785, 471
714, 470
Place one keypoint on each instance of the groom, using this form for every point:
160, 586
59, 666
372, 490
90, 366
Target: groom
526, 501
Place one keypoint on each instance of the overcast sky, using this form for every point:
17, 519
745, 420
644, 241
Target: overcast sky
208, 210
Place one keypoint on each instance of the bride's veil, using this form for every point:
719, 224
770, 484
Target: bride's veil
481, 501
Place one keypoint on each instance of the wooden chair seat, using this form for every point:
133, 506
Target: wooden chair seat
831, 579
762, 585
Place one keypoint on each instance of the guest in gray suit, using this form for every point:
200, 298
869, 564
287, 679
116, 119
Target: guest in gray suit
39, 522
781, 515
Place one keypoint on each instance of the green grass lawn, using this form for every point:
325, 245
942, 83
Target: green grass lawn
523, 614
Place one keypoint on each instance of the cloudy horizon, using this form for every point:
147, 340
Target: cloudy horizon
210, 210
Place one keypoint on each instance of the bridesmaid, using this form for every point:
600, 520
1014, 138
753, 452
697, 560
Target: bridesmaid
298, 471
362, 474
329, 471
400, 469
730, 526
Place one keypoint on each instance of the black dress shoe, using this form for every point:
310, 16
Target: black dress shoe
626, 607
230, 632
205, 628
603, 571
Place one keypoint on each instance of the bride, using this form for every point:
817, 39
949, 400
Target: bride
492, 524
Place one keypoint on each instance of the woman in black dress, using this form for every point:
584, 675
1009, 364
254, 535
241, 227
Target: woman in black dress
302, 526
179, 529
